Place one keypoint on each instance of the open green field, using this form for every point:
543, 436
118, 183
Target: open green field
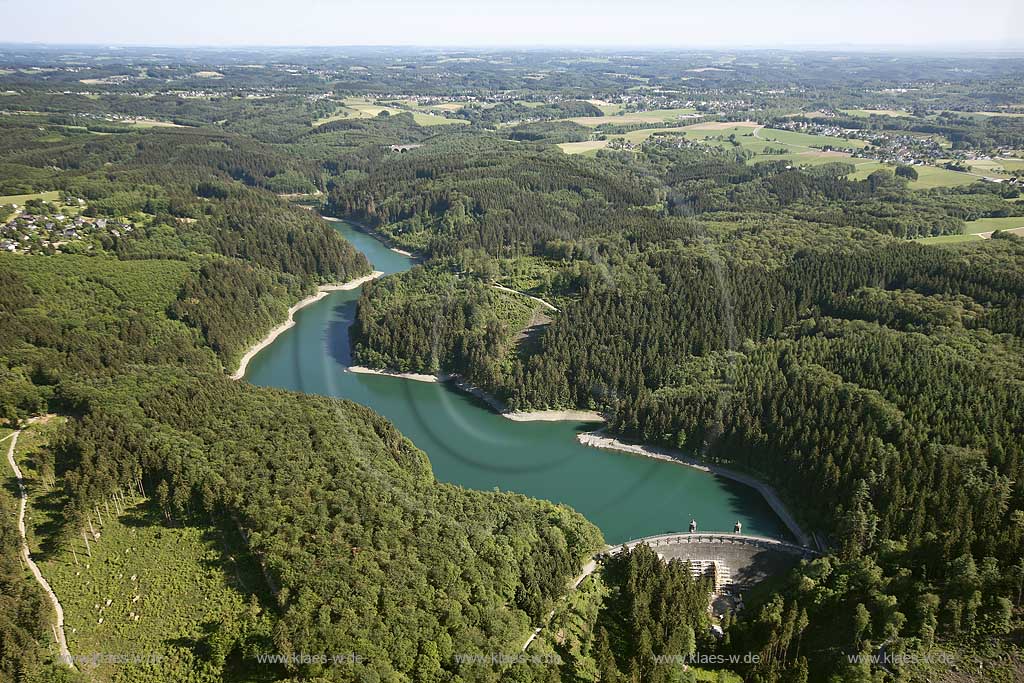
995, 113
801, 150
979, 229
948, 239
993, 224
444, 106
609, 108
20, 199
585, 147
805, 158
865, 113
997, 167
355, 108
151, 123
749, 135
699, 131
791, 138
933, 176
801, 147
653, 116
927, 176
147, 590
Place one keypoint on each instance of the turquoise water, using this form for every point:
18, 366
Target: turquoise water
627, 496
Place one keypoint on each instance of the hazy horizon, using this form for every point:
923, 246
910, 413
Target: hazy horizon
870, 25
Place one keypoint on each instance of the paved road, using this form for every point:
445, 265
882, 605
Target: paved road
62, 643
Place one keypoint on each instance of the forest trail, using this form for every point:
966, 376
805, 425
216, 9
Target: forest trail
587, 570
543, 303
62, 643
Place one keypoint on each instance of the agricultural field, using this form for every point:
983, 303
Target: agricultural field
444, 106
140, 589
980, 229
997, 167
587, 147
865, 113
803, 140
748, 135
948, 239
996, 113
933, 176
988, 225
801, 149
928, 176
365, 109
20, 199
609, 108
150, 123
652, 116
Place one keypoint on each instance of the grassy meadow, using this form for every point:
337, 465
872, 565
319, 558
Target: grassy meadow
20, 199
993, 224
865, 113
357, 108
928, 176
142, 589
625, 119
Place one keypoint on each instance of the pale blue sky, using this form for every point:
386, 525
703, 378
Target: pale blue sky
992, 24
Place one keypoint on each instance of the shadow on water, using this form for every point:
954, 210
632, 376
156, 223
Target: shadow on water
752, 507
337, 337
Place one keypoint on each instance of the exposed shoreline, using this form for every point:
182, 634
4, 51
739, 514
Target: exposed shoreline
414, 376
321, 292
494, 403
599, 440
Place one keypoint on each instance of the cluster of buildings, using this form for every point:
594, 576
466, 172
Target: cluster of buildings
896, 148
28, 233
888, 146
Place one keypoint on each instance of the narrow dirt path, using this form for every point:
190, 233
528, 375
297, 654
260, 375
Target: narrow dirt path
62, 643
543, 303
587, 570
988, 235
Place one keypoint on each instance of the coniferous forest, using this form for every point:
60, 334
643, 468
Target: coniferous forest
745, 272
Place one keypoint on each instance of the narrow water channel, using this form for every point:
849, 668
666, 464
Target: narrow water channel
627, 496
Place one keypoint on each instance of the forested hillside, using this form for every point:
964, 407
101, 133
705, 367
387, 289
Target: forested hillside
365, 552
185, 258
761, 316
729, 265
